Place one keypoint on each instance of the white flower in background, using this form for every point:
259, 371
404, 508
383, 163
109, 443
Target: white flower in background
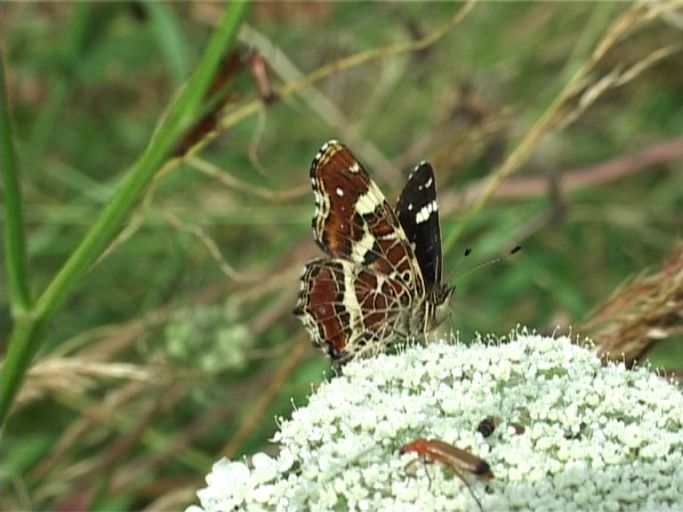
594, 438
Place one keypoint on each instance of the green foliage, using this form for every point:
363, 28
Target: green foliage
207, 341
26, 338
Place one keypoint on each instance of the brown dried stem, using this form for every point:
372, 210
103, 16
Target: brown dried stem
256, 414
641, 313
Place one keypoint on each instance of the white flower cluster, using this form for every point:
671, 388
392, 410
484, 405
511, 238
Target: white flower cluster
572, 435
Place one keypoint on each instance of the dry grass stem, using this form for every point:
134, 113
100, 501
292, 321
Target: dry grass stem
324, 108
131, 430
213, 249
601, 173
77, 375
351, 61
113, 403
255, 415
641, 313
174, 500
278, 196
255, 142
616, 78
637, 15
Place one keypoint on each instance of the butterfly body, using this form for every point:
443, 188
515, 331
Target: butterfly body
381, 280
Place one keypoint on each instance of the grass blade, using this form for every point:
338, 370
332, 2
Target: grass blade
25, 339
15, 247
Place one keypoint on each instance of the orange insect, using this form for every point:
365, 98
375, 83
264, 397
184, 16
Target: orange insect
434, 450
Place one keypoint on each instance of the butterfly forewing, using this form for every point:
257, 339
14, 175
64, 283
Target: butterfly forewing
418, 214
353, 219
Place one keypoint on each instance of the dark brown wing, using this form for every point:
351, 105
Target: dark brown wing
349, 310
353, 220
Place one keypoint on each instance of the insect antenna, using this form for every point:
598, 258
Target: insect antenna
485, 264
464, 256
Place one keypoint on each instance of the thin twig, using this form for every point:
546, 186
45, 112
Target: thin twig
213, 249
256, 413
278, 196
571, 179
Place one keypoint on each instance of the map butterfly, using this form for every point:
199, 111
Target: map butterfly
380, 282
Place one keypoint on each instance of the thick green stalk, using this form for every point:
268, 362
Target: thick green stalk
25, 339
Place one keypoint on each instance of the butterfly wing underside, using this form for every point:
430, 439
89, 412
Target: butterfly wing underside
355, 301
353, 219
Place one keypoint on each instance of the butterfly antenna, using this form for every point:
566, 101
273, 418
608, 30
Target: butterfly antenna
495, 260
464, 256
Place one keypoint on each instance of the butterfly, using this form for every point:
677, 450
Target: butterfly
380, 281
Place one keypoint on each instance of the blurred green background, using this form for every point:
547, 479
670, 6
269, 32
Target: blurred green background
178, 345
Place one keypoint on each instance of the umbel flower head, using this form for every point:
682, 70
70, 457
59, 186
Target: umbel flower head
572, 435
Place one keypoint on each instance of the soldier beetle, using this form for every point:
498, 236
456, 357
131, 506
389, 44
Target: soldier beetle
458, 460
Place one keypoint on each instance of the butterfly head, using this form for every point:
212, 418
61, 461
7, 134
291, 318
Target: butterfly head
440, 300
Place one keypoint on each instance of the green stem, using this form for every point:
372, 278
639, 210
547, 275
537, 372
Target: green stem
25, 339
15, 247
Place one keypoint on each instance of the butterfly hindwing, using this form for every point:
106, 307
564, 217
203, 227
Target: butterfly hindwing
348, 309
418, 214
